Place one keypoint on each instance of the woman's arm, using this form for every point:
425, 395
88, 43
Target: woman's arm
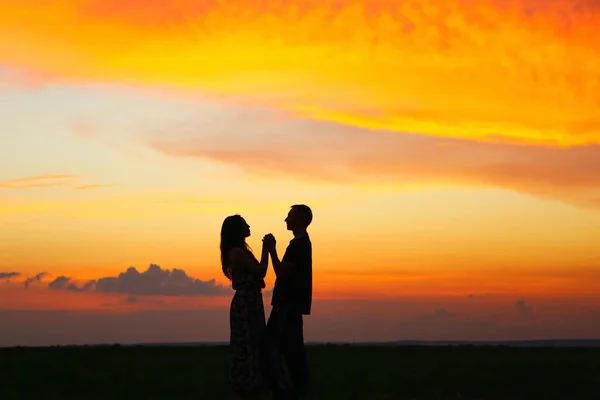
264, 261
280, 268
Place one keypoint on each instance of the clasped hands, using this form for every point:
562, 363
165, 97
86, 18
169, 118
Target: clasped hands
269, 242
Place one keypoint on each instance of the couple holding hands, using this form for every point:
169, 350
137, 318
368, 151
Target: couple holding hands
261, 351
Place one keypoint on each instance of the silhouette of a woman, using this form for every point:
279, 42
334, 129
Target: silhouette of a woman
247, 371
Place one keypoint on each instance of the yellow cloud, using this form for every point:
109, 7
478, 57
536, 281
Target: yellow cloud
48, 181
517, 71
325, 153
39, 181
93, 186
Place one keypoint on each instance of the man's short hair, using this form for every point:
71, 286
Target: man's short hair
304, 212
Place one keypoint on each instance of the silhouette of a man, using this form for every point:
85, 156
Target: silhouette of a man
292, 298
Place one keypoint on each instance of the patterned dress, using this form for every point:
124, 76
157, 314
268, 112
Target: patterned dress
247, 324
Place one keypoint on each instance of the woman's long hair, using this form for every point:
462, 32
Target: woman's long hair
232, 235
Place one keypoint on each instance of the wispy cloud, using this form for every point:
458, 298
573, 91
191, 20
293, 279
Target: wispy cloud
50, 181
38, 181
34, 279
39, 178
95, 186
527, 73
333, 153
524, 309
8, 275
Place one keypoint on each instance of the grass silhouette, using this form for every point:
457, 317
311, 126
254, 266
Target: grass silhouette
337, 372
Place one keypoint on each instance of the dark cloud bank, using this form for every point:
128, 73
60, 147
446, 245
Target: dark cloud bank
8, 275
34, 279
155, 281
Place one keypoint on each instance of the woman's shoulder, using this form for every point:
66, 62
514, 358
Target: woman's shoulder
236, 252
236, 249
239, 253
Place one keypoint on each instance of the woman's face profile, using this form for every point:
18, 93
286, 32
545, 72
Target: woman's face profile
245, 228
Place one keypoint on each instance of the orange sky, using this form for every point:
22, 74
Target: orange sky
512, 70
447, 149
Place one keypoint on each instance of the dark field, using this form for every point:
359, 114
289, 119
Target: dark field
337, 372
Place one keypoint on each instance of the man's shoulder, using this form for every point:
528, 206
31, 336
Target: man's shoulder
307, 241
301, 243
299, 240
303, 239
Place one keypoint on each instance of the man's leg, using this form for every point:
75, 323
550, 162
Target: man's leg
295, 353
274, 340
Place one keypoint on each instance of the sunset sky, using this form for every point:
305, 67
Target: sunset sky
450, 151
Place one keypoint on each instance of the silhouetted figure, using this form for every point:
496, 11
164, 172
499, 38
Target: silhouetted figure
247, 314
292, 298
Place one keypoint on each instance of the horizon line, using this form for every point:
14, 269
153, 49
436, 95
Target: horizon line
394, 343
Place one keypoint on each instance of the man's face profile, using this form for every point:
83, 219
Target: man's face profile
291, 220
